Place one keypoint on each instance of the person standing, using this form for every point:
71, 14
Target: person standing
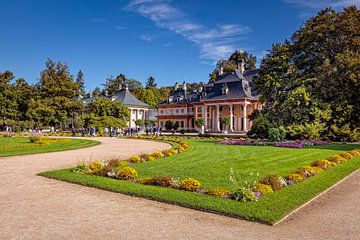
73, 131
106, 131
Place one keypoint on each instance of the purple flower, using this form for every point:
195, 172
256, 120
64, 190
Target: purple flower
257, 194
201, 191
289, 144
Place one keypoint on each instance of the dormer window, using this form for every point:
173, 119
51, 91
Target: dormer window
225, 89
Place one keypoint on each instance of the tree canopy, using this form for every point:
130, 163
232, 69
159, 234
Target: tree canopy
313, 79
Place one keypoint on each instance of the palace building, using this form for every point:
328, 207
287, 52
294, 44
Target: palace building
230, 95
138, 109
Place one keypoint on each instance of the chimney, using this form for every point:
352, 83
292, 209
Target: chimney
176, 87
184, 86
241, 66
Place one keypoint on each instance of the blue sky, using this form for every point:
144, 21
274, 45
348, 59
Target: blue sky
171, 40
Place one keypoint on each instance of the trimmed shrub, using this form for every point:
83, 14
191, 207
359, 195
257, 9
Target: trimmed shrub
135, 159
123, 163
96, 166
273, 181
308, 171
324, 164
337, 159
295, 177
346, 155
354, 153
147, 181
244, 194
263, 189
150, 158
35, 138
127, 173
157, 155
190, 184
217, 192
164, 181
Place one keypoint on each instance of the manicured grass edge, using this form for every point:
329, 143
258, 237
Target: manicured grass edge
92, 143
316, 197
269, 209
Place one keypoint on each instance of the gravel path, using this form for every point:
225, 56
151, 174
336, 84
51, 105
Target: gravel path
33, 207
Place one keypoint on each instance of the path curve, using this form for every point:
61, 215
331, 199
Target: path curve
33, 207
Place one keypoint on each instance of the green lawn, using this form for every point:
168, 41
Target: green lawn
211, 164
51, 147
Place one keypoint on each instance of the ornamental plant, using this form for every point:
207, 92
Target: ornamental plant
295, 177
263, 189
337, 159
157, 155
150, 158
217, 191
354, 153
308, 171
127, 173
123, 163
346, 155
244, 194
324, 164
96, 166
135, 159
272, 180
190, 184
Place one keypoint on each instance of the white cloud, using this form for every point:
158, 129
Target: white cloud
169, 44
215, 42
147, 38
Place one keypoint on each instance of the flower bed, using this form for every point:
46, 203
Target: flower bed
245, 192
287, 144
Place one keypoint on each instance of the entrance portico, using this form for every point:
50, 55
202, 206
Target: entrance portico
237, 111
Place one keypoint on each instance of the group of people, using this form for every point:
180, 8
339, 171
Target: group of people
116, 132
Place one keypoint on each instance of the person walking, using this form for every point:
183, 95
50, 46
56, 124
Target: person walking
73, 130
106, 131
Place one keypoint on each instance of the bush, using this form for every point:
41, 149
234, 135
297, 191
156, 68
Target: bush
104, 171
275, 134
182, 131
157, 155
244, 194
273, 181
127, 173
150, 158
346, 155
180, 149
354, 153
336, 159
123, 163
217, 192
295, 177
190, 184
324, 164
96, 166
308, 171
113, 162
135, 159
147, 181
80, 168
35, 138
263, 189
165, 181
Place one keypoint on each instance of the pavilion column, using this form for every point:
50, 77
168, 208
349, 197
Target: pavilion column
231, 118
205, 117
217, 123
245, 118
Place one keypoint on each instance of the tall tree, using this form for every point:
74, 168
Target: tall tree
133, 84
80, 81
8, 104
113, 85
233, 62
150, 83
56, 101
315, 76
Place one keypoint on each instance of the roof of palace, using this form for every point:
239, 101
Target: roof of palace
123, 96
232, 85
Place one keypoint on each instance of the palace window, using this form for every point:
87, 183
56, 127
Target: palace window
182, 110
182, 124
177, 110
199, 109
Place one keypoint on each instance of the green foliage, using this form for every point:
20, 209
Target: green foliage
169, 125
244, 194
199, 122
276, 134
272, 180
176, 125
311, 82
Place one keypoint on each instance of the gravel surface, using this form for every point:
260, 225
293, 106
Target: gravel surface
33, 207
